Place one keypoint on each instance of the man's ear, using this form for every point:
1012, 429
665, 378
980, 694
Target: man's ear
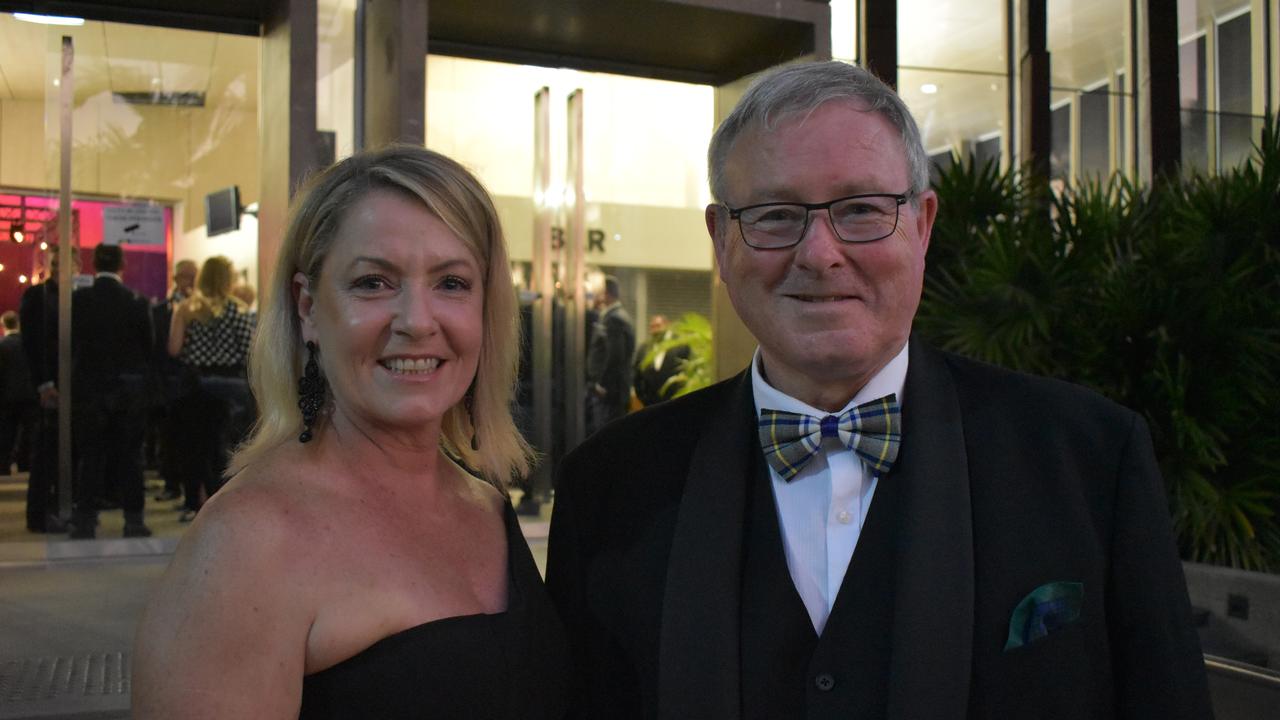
926, 213
717, 219
305, 302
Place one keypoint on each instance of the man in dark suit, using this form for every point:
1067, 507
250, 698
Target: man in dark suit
859, 525
168, 374
609, 353
651, 378
19, 412
38, 317
110, 349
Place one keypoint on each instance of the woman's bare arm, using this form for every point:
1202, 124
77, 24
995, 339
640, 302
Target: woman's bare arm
225, 632
178, 329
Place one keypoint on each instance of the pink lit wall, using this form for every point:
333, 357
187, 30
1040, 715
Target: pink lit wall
146, 266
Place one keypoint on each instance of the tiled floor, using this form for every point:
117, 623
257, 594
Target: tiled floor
68, 608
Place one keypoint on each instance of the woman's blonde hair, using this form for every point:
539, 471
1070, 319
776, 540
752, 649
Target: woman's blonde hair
455, 196
213, 288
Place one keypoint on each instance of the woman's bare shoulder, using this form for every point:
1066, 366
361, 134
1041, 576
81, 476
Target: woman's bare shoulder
230, 606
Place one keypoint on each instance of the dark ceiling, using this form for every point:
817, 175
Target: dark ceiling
708, 41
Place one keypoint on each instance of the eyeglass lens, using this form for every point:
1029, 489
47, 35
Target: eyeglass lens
855, 220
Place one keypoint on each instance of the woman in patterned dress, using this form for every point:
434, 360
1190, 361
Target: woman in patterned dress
210, 334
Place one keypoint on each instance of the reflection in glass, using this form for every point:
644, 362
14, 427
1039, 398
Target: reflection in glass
959, 111
335, 73
1060, 143
161, 118
1193, 101
1095, 135
1235, 91
953, 35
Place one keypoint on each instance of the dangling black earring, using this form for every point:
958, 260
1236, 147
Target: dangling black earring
469, 401
310, 392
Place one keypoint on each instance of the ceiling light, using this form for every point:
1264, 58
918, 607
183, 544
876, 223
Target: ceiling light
17, 236
928, 88
22, 279
44, 246
1, 267
48, 19
57, 82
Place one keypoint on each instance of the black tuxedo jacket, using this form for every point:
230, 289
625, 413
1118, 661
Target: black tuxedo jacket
1007, 482
110, 334
38, 313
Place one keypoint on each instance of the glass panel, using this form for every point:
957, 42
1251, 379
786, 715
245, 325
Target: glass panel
335, 75
940, 162
645, 185
1060, 145
953, 74
161, 119
987, 151
1193, 100
1235, 91
1088, 41
1223, 117
1095, 133
956, 36
844, 30
961, 111
1120, 101
1089, 45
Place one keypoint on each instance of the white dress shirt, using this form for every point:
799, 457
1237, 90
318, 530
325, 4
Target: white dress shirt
822, 510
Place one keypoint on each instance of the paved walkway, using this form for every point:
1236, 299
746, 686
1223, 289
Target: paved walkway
68, 611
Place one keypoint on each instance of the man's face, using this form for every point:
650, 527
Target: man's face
657, 325
827, 314
184, 278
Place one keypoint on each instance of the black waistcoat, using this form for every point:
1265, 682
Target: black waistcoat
787, 670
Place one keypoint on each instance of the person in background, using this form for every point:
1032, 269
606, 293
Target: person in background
38, 317
111, 361
651, 377
210, 335
860, 525
245, 293
363, 561
168, 378
609, 355
19, 411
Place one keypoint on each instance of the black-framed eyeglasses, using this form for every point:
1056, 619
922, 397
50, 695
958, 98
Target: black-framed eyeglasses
856, 219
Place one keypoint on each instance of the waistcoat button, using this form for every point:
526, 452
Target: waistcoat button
824, 682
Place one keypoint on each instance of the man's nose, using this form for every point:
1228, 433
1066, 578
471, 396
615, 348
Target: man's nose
820, 247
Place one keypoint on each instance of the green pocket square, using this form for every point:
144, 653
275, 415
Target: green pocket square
1046, 609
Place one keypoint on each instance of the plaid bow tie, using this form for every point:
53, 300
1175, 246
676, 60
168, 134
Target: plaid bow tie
872, 430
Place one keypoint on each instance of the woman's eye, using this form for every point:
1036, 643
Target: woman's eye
454, 283
371, 282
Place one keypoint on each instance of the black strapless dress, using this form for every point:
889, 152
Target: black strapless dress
514, 664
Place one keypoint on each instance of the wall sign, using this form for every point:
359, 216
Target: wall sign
133, 225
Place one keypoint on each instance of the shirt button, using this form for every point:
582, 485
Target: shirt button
824, 682
843, 517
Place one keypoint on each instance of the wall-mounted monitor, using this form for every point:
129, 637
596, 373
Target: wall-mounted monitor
222, 211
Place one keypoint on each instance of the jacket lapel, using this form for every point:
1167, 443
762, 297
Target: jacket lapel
933, 617
698, 668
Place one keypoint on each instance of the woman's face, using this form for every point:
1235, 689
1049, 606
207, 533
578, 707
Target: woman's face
397, 313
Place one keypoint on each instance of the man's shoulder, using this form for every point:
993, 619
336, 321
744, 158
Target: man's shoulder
651, 446
998, 391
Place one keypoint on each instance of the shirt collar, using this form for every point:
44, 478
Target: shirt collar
113, 276
891, 379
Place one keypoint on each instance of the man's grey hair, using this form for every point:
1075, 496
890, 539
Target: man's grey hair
784, 91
